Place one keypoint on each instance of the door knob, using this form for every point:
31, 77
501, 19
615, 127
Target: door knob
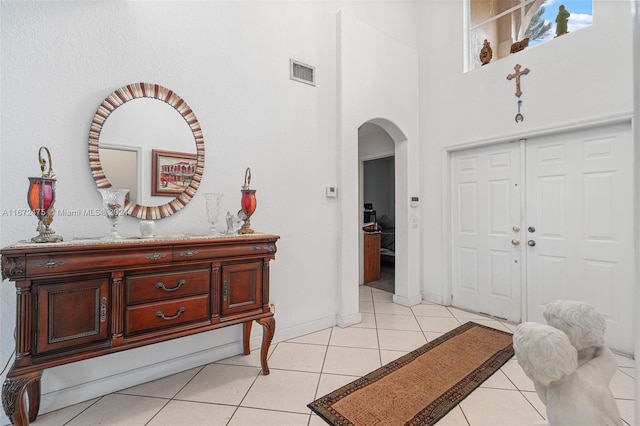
531, 229
516, 228
515, 242
531, 243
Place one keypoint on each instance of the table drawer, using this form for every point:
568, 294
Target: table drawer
47, 264
160, 315
220, 251
170, 285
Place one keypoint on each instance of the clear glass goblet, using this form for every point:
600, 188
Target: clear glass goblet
213, 210
113, 202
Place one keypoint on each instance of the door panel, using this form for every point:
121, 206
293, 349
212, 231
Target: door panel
241, 288
579, 200
486, 206
72, 312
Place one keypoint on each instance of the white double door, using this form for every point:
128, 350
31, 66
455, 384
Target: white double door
545, 219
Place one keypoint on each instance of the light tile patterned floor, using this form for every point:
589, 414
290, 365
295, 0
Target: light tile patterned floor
233, 392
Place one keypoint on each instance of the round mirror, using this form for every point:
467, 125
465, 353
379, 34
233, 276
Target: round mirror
144, 146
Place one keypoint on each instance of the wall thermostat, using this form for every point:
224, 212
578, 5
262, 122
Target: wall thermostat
332, 192
414, 201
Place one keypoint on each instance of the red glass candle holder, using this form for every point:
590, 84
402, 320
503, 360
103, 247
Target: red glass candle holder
41, 197
248, 204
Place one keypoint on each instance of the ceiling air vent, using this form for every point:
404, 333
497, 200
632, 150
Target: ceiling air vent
302, 72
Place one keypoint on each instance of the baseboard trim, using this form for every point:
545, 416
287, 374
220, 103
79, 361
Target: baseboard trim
433, 298
348, 320
75, 394
407, 301
65, 397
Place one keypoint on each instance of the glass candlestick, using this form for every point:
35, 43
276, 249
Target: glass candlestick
213, 210
113, 202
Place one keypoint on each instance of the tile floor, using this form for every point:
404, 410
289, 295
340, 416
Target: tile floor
311, 366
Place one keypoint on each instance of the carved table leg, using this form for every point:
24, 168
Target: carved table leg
247, 334
268, 330
13, 391
33, 394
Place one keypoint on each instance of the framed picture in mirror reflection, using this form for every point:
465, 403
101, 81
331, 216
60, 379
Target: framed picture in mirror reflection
172, 172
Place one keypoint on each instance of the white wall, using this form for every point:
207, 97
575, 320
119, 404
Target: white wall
378, 83
374, 142
580, 78
229, 61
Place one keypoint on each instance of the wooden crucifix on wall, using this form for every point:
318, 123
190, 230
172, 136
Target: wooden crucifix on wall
517, 75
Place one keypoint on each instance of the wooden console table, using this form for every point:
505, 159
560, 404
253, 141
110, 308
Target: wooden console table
82, 299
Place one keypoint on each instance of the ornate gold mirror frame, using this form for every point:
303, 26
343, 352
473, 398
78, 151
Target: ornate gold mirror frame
120, 97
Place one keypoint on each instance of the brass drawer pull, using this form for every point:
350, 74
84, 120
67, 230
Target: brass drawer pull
50, 264
269, 248
155, 256
160, 314
188, 253
161, 286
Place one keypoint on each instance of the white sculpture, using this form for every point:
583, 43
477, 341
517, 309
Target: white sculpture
569, 365
583, 325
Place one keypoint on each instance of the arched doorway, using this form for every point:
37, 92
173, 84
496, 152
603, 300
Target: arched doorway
376, 158
407, 291
407, 280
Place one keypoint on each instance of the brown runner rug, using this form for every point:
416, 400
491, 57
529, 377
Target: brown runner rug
421, 387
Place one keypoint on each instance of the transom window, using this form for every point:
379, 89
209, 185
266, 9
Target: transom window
504, 22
